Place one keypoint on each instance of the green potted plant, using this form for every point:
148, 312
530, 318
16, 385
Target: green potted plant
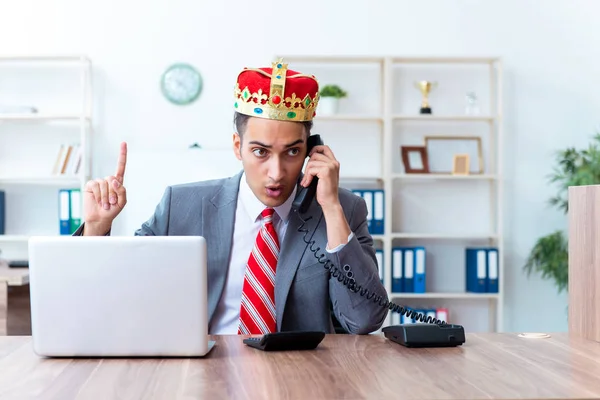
549, 255
330, 98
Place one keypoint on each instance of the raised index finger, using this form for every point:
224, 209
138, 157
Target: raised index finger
120, 174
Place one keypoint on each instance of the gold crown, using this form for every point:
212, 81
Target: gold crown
254, 101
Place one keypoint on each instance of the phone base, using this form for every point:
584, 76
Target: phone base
426, 335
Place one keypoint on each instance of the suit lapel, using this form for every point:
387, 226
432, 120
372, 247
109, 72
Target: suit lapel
291, 254
218, 215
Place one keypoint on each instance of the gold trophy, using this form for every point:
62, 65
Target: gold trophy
425, 87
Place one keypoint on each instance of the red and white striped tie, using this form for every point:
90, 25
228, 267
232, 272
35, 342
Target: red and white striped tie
257, 312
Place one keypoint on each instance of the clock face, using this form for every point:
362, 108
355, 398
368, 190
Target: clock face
181, 84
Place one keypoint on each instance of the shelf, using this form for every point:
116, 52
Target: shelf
442, 236
361, 178
445, 60
330, 59
24, 238
481, 177
388, 81
348, 117
44, 117
425, 117
467, 296
400, 60
45, 58
14, 238
29, 176
42, 181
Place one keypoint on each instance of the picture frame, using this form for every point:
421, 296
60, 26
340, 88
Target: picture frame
415, 159
442, 149
460, 165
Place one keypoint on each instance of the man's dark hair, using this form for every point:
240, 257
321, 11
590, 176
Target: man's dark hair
241, 120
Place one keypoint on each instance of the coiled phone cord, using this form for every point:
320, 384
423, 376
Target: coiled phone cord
348, 280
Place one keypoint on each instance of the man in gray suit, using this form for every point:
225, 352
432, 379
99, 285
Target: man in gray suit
268, 273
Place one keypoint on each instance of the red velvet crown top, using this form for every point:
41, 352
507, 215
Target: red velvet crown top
276, 93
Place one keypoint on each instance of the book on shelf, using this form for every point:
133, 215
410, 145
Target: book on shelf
439, 313
375, 200
379, 258
68, 160
481, 269
69, 210
408, 269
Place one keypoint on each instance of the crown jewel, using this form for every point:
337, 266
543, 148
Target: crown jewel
276, 93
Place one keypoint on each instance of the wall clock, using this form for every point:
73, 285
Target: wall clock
181, 84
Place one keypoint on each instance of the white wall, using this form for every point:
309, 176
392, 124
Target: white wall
549, 51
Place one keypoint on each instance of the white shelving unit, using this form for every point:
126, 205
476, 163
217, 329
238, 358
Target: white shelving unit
60, 88
380, 114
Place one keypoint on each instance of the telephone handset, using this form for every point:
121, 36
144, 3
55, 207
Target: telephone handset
306, 194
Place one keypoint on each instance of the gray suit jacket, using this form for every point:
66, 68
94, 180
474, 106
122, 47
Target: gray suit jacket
303, 287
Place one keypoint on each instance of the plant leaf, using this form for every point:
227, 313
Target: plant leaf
549, 258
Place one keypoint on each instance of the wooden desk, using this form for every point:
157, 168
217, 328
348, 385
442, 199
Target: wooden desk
9, 277
490, 365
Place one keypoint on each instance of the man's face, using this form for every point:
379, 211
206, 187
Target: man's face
272, 153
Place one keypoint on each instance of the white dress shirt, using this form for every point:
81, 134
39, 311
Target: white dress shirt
247, 223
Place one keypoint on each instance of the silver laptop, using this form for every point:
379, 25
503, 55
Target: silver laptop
117, 296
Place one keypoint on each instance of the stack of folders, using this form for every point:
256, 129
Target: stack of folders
408, 269
69, 210
375, 200
439, 313
2, 212
481, 269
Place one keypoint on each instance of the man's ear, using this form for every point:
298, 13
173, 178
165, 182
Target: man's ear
237, 145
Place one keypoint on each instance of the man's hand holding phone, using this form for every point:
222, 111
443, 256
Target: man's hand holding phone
324, 166
103, 199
